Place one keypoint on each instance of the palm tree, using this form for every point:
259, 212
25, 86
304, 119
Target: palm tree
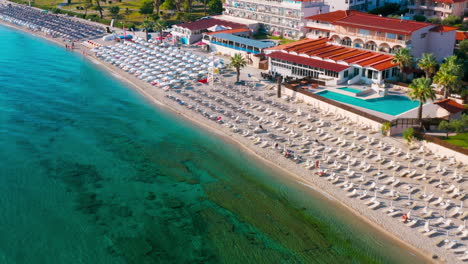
421, 90
238, 62
403, 58
147, 25
445, 79
428, 64
449, 74
159, 26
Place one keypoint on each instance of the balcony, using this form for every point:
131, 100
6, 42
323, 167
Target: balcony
443, 9
320, 25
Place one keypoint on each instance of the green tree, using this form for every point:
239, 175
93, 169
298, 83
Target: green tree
159, 26
449, 75
238, 62
451, 20
147, 8
157, 5
404, 59
419, 18
114, 11
428, 64
168, 5
386, 126
444, 125
463, 47
422, 91
99, 8
457, 125
87, 4
215, 6
408, 135
147, 26
434, 20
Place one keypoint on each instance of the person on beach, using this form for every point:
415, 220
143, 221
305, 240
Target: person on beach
260, 126
73, 45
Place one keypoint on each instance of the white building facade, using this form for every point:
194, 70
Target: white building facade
279, 17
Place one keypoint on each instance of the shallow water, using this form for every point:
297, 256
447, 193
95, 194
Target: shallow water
92, 173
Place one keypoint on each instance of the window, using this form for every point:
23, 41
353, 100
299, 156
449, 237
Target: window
423, 35
363, 31
401, 37
391, 36
356, 71
369, 74
363, 72
345, 74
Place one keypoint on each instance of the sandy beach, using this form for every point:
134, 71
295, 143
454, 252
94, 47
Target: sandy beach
393, 227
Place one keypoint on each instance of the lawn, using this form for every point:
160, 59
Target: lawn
458, 140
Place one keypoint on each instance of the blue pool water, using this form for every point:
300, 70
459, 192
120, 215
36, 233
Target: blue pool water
92, 173
351, 90
391, 104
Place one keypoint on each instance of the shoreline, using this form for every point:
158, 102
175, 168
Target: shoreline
231, 139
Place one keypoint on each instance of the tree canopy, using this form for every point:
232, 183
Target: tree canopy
147, 7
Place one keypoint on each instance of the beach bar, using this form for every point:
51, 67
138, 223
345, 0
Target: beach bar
230, 44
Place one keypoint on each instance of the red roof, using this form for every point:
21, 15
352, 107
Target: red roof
209, 22
461, 35
352, 18
322, 49
450, 105
307, 61
378, 23
229, 31
441, 29
332, 16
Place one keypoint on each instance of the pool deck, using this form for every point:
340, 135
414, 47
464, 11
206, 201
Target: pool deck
373, 95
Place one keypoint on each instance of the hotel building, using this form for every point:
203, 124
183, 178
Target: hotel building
437, 8
351, 47
382, 34
191, 32
278, 17
333, 64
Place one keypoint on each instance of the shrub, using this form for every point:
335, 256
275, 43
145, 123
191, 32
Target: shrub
451, 20
434, 20
419, 18
408, 135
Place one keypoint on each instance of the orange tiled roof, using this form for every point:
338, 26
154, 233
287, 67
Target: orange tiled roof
362, 20
441, 28
323, 50
332, 16
451, 105
461, 35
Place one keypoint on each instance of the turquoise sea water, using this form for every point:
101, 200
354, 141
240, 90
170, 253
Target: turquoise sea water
351, 90
391, 104
92, 173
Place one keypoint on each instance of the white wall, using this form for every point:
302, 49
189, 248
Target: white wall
443, 151
376, 126
420, 45
441, 44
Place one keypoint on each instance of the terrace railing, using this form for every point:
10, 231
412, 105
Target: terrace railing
337, 104
234, 47
445, 144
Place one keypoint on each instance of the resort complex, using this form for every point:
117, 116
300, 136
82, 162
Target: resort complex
437, 8
362, 108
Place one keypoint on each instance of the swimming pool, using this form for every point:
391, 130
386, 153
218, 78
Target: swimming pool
390, 105
351, 90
